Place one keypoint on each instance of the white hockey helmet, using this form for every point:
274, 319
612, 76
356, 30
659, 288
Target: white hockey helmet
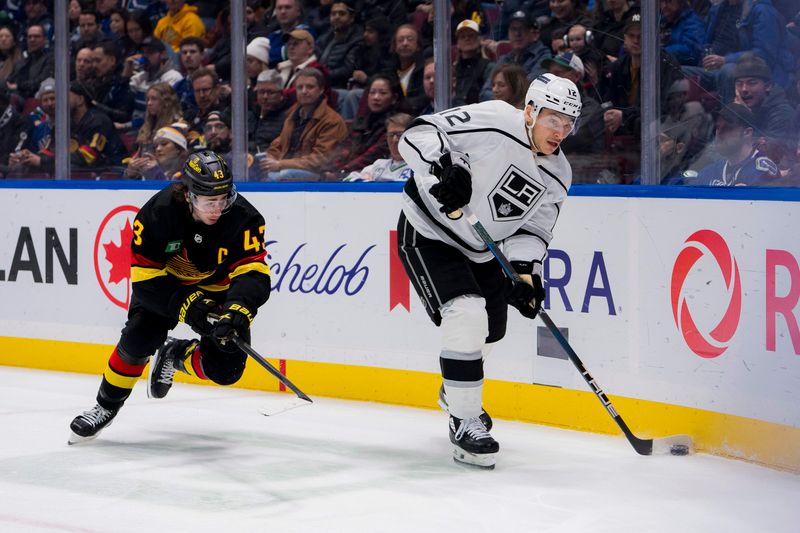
552, 92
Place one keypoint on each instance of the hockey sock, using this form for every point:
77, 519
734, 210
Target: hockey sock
463, 385
118, 380
193, 364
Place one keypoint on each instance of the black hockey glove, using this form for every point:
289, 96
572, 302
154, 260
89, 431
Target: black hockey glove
235, 320
454, 189
528, 294
194, 312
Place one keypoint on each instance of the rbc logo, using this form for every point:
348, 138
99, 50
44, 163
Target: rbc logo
706, 244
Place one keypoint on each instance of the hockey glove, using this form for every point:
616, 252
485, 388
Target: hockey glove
527, 295
454, 189
235, 320
194, 312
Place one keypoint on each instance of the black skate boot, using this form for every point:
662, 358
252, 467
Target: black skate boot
88, 425
484, 416
472, 443
168, 359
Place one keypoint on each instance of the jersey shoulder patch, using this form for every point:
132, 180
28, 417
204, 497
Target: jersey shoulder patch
765, 164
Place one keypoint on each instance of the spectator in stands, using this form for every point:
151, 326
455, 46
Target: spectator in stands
623, 90
370, 57
409, 66
396, 12
74, 16
682, 31
256, 62
509, 84
253, 13
288, 15
10, 54
611, 18
117, 25
41, 118
392, 168
265, 120
208, 97
587, 138
472, 71
527, 50
103, 8
112, 92
336, 48
35, 67
98, 145
217, 133
318, 16
165, 161
84, 65
731, 31
366, 141
139, 28
566, 13
89, 25
741, 163
539, 10
12, 126
311, 131
429, 86
163, 109
771, 110
181, 21
36, 12
682, 114
219, 51
192, 53
300, 50
580, 40
672, 145
156, 69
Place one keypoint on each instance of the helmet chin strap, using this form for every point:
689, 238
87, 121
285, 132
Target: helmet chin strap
529, 127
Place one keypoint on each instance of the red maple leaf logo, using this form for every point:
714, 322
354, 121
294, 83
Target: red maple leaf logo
120, 256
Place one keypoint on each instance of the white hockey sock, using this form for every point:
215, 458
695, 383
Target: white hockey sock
464, 398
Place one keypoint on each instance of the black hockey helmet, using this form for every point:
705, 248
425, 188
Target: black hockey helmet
206, 174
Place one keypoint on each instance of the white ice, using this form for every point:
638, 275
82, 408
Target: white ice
203, 459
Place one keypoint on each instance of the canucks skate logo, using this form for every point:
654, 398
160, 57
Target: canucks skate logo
515, 195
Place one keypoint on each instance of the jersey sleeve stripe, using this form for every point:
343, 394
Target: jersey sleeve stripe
554, 177
251, 267
143, 273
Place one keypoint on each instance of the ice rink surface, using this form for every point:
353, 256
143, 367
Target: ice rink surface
203, 459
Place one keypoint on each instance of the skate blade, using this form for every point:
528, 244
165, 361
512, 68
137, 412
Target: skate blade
479, 460
74, 438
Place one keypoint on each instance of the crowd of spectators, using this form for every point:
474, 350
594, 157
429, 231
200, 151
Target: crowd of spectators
332, 83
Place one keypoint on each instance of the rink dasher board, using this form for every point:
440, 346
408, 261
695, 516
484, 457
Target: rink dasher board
341, 299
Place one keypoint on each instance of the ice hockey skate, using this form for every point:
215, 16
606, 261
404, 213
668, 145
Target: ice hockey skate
89, 424
472, 444
168, 359
484, 416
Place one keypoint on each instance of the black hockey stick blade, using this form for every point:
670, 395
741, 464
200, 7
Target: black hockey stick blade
246, 348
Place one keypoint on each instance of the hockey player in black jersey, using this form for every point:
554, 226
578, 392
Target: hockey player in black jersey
197, 248
506, 165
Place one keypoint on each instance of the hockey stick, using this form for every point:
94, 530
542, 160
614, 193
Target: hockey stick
246, 348
677, 444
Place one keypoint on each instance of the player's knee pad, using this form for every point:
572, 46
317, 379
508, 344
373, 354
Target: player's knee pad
464, 325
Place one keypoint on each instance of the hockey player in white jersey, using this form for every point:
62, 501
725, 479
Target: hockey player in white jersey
506, 165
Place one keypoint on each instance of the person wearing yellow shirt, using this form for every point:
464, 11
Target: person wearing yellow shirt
181, 21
